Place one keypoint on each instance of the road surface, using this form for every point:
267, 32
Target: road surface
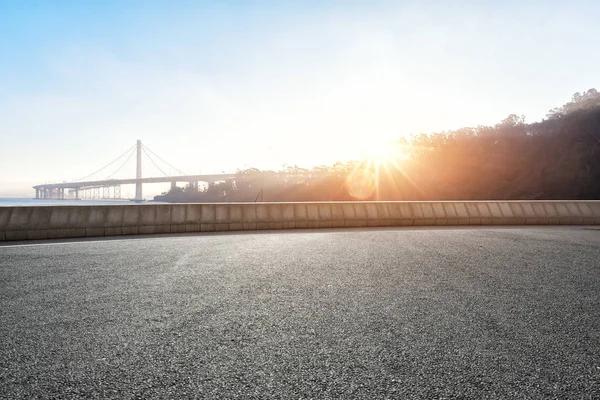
378, 313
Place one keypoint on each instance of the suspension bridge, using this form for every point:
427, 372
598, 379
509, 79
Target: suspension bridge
109, 188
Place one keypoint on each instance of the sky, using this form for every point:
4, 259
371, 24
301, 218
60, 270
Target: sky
214, 86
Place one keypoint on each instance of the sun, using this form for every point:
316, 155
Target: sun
383, 153
380, 160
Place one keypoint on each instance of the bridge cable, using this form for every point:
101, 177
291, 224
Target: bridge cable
108, 165
122, 165
157, 156
150, 158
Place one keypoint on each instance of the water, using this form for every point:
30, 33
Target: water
24, 201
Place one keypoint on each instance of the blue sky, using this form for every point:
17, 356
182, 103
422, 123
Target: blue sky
220, 85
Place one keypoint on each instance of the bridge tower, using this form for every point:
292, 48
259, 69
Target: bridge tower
138, 173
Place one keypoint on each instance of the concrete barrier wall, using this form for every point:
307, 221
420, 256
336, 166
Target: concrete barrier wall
52, 222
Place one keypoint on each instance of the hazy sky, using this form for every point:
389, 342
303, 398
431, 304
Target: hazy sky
220, 85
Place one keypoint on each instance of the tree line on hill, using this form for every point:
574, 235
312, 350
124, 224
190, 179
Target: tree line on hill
557, 158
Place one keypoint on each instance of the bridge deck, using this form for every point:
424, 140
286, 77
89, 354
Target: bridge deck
113, 182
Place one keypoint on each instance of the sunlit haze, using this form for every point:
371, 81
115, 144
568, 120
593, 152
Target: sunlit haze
217, 86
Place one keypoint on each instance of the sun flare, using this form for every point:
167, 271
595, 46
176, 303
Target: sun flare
383, 153
380, 159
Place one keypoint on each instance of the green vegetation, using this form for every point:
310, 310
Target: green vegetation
557, 158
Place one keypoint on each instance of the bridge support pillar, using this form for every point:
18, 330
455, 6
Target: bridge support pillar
76, 193
138, 173
37, 193
173, 185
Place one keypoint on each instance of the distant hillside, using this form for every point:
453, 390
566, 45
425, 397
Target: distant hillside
558, 158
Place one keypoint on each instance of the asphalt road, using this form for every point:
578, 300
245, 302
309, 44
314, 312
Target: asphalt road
379, 313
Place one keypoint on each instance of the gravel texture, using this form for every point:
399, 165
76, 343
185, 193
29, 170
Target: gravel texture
366, 314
